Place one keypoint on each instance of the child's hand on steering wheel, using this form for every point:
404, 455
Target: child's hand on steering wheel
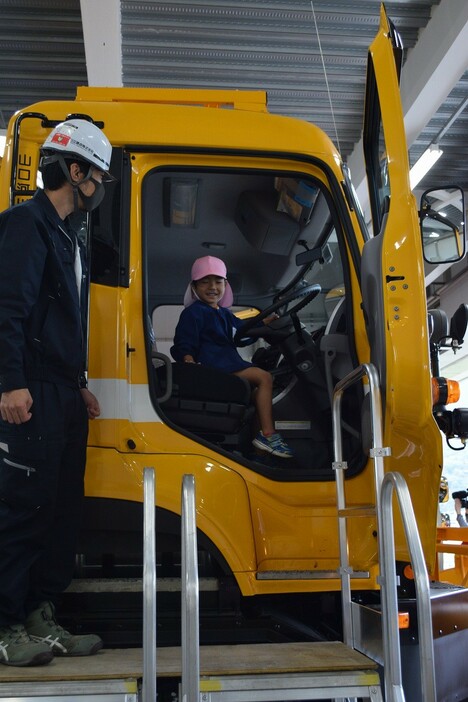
271, 318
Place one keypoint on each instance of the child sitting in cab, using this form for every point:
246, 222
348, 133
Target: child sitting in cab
205, 334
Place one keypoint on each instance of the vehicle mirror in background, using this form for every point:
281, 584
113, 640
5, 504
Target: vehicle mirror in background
458, 324
442, 222
438, 326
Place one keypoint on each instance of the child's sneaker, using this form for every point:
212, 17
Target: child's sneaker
273, 444
17, 648
42, 627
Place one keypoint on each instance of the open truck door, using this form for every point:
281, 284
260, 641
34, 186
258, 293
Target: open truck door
271, 195
392, 277
396, 319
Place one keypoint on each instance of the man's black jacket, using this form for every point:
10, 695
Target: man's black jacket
41, 333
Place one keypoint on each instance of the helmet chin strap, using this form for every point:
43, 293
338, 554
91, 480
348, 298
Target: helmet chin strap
76, 207
75, 186
66, 172
90, 202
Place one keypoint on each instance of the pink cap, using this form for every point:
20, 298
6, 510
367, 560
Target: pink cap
209, 265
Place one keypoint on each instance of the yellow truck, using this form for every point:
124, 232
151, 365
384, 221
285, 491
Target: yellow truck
213, 173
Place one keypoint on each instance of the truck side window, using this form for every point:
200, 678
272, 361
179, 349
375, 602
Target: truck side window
376, 154
109, 229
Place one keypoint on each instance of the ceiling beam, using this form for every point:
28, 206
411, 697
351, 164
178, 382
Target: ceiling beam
429, 74
103, 43
441, 59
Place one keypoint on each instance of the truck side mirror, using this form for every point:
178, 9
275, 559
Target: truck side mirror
438, 326
442, 222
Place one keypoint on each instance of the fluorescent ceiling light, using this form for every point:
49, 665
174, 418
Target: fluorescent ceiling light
2, 144
424, 164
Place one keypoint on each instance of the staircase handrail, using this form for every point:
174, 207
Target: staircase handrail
390, 635
394, 482
377, 452
149, 587
190, 685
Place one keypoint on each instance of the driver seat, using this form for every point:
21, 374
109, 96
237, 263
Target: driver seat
211, 403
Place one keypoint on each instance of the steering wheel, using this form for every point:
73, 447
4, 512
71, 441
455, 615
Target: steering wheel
251, 329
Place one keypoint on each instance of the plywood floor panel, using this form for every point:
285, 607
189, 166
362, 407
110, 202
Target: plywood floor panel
241, 659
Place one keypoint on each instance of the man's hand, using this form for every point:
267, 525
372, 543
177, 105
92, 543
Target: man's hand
15, 406
458, 505
91, 402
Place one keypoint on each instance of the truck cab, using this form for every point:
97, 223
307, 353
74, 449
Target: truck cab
213, 173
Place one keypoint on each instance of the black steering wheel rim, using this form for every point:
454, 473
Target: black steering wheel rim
306, 295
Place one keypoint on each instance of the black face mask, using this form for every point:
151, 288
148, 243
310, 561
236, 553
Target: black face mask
90, 202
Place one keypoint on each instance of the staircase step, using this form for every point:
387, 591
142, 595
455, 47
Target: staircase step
293, 671
307, 575
95, 585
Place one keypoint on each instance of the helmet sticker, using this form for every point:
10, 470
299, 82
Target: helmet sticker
62, 139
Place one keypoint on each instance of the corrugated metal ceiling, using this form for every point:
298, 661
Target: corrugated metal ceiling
269, 45
42, 52
254, 44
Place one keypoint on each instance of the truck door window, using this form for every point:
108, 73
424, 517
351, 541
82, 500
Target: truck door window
278, 235
376, 155
382, 94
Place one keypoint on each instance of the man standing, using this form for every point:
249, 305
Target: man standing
44, 403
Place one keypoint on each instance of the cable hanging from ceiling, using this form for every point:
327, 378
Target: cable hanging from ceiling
325, 75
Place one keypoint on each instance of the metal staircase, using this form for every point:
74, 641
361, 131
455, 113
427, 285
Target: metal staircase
204, 683
319, 685
268, 676
309, 684
385, 485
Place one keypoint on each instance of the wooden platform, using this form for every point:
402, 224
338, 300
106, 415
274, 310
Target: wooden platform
242, 659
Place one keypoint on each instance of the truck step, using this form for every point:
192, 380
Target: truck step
252, 672
71, 691
95, 585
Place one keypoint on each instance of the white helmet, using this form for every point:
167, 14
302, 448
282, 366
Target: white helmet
78, 137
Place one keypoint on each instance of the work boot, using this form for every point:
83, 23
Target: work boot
42, 626
17, 648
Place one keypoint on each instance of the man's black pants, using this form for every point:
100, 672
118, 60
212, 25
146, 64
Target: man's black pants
42, 466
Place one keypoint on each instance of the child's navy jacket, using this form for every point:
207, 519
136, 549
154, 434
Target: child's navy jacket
207, 334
